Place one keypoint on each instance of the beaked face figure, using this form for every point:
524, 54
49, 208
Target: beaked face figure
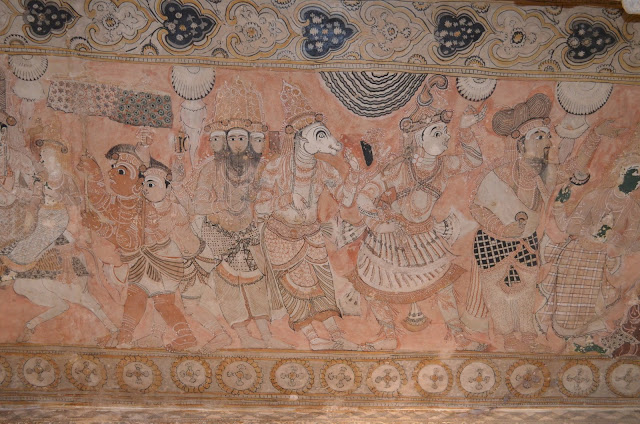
319, 140
434, 139
535, 148
217, 140
123, 178
238, 140
257, 141
154, 189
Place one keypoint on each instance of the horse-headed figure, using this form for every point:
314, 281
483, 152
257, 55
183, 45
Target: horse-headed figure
290, 189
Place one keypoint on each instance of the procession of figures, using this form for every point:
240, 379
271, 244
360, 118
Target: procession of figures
237, 236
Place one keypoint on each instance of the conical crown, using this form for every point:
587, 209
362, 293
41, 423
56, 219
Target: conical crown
238, 106
297, 110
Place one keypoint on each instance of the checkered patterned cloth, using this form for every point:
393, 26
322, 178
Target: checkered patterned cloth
575, 282
489, 251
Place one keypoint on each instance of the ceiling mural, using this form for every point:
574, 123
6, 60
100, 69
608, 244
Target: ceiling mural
380, 204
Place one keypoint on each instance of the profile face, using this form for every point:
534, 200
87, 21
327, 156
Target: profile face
154, 188
123, 177
217, 140
257, 141
238, 140
536, 147
434, 139
320, 140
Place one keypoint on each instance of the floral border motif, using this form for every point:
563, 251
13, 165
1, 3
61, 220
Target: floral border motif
93, 27
594, 384
190, 389
378, 364
68, 369
605, 56
231, 390
157, 375
484, 394
56, 373
356, 372
305, 364
613, 368
545, 374
8, 372
163, 32
423, 364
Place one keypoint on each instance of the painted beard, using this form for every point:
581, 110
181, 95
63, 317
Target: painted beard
537, 165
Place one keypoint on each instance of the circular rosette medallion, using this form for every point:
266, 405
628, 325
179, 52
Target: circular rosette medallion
5, 373
239, 376
578, 378
528, 378
478, 378
292, 376
386, 378
191, 374
340, 377
433, 378
40, 372
86, 372
138, 374
623, 378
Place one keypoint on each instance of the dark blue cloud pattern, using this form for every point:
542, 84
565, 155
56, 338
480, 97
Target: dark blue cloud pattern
185, 24
456, 33
324, 33
45, 19
588, 40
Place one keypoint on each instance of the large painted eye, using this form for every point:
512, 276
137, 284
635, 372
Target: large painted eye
121, 171
150, 185
437, 134
321, 134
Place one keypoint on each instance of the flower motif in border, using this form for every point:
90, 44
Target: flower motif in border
355, 374
118, 21
222, 368
207, 377
156, 375
522, 36
91, 366
186, 26
39, 365
627, 378
530, 377
260, 28
486, 393
399, 380
595, 380
434, 377
283, 363
8, 374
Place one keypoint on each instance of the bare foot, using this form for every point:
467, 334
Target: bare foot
318, 343
382, 344
274, 343
218, 342
108, 340
25, 336
252, 343
182, 343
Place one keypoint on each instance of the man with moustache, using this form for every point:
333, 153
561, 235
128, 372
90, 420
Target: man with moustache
508, 206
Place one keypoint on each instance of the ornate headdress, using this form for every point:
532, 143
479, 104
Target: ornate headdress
297, 111
238, 106
424, 114
156, 169
523, 117
136, 156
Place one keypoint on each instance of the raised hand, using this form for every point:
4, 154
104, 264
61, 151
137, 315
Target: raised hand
606, 128
472, 117
353, 162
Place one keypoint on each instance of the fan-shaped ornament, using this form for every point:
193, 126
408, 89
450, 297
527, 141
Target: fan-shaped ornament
192, 83
582, 98
28, 67
373, 94
473, 88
